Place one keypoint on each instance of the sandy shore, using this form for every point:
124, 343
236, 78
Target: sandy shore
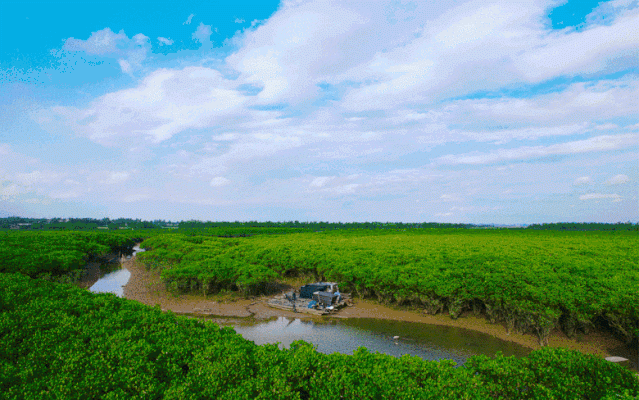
146, 287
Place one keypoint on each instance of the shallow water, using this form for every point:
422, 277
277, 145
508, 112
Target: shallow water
136, 250
112, 282
115, 281
430, 342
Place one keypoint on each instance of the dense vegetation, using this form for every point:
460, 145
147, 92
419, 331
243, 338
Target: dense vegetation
588, 226
534, 281
79, 223
128, 223
58, 255
63, 254
59, 341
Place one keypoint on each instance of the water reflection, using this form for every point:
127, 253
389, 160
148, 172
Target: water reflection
136, 249
429, 342
115, 281
112, 282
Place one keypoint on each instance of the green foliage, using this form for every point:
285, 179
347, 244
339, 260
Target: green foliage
57, 255
534, 281
219, 228
550, 373
588, 226
59, 341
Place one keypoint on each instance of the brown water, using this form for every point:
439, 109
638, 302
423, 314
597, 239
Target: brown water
429, 342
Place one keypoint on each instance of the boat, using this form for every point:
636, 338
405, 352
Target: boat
320, 298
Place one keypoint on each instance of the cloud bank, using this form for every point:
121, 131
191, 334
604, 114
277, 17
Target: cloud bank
375, 110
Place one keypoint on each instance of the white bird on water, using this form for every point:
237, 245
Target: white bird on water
616, 359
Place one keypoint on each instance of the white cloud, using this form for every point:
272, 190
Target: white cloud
374, 94
225, 137
598, 143
188, 20
113, 177
618, 180
576, 103
583, 180
102, 42
38, 177
47, 183
449, 197
605, 127
600, 196
239, 21
248, 148
436, 53
290, 53
166, 102
130, 53
203, 35
164, 41
9, 190
321, 181
607, 48
63, 195
135, 198
125, 66
342, 189
219, 181
501, 136
447, 56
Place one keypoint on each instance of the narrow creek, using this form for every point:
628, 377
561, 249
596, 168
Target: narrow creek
114, 282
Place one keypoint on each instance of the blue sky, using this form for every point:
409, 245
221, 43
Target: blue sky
461, 111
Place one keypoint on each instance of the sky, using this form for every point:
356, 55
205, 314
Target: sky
484, 112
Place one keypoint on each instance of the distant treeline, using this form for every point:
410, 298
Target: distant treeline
76, 224
128, 223
586, 226
313, 226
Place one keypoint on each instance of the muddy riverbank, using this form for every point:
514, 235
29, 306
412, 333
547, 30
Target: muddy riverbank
146, 287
